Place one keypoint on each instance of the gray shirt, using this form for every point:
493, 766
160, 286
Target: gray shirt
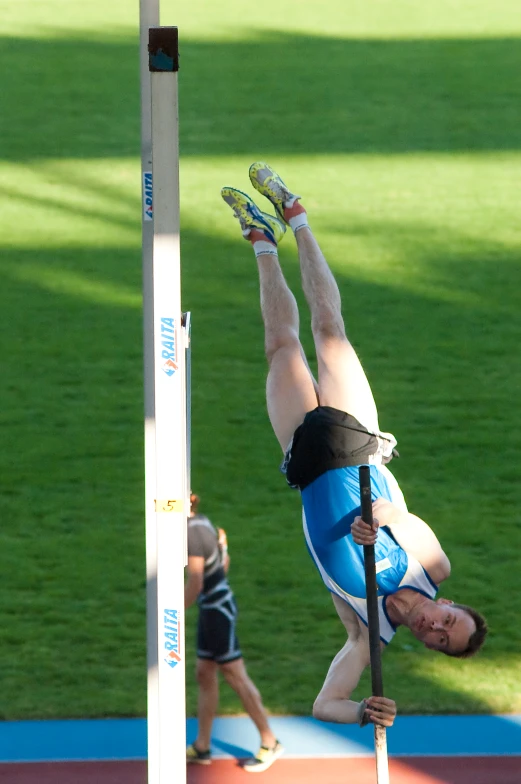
203, 541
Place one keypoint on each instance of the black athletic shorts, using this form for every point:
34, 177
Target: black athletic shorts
216, 636
327, 439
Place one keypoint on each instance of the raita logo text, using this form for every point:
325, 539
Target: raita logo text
148, 208
169, 346
171, 635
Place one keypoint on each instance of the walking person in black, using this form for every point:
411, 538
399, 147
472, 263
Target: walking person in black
217, 644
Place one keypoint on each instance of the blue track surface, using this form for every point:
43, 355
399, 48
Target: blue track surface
125, 739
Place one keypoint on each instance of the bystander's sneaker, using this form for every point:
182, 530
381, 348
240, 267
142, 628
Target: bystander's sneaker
264, 758
199, 757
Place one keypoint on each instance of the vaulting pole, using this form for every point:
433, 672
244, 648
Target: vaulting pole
377, 689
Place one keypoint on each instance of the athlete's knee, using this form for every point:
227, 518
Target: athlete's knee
328, 325
284, 340
235, 675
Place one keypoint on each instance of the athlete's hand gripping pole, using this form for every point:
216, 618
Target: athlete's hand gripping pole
380, 737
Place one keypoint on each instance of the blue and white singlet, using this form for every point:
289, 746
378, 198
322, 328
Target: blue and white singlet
330, 505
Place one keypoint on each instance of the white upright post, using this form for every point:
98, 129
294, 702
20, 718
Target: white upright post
170, 344
149, 17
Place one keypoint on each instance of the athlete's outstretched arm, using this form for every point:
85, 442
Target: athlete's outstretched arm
411, 533
334, 703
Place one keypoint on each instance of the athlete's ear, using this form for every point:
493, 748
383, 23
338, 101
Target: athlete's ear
444, 601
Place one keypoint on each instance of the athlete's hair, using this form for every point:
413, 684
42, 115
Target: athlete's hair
194, 503
477, 638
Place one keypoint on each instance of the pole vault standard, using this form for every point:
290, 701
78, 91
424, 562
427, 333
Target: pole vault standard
149, 17
373, 622
167, 456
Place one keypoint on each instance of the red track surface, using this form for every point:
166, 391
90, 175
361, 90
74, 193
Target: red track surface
410, 770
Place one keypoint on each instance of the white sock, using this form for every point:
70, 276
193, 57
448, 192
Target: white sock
263, 248
299, 221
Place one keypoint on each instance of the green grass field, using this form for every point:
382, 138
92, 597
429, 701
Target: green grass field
400, 123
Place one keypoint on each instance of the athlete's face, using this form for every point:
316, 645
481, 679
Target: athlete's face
441, 626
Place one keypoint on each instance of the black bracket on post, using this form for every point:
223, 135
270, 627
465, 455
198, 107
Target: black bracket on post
163, 49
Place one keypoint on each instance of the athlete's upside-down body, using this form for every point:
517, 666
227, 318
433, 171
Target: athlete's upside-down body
326, 429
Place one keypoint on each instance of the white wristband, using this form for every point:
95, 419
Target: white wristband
361, 714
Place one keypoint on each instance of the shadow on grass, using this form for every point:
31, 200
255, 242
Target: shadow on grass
276, 93
71, 486
126, 216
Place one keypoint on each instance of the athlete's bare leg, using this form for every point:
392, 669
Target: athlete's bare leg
237, 677
207, 701
342, 382
341, 379
290, 387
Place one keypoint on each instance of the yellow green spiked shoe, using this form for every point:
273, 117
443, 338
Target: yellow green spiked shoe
250, 217
265, 180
